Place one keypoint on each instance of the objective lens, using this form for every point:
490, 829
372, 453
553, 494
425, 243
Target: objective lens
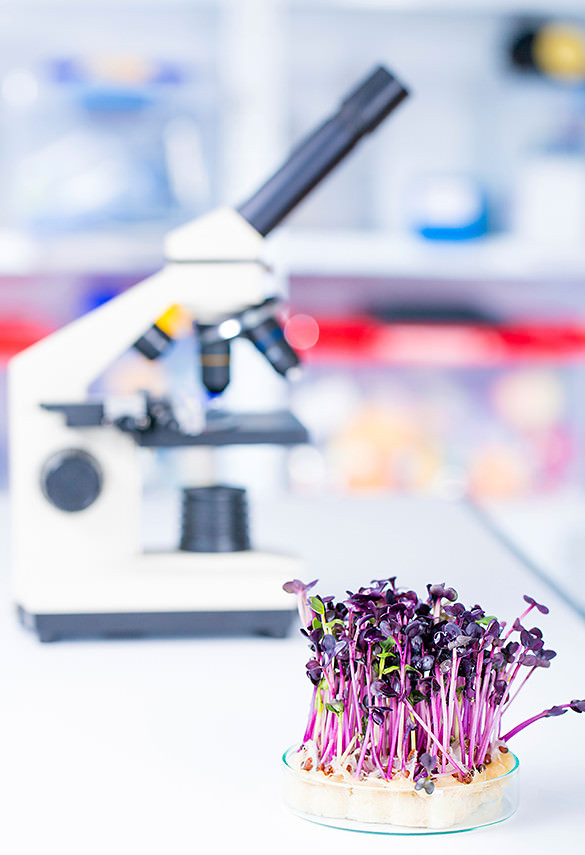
214, 354
153, 343
269, 339
161, 334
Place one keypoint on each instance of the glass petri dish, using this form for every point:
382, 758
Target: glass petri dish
381, 807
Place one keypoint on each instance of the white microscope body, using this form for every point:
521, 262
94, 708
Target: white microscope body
81, 570
92, 561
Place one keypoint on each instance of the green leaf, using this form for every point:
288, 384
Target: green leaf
486, 620
317, 605
364, 725
316, 623
335, 707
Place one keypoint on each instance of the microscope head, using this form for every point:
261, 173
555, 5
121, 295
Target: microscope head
363, 109
234, 236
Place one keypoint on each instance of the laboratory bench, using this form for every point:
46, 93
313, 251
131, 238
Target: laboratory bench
166, 746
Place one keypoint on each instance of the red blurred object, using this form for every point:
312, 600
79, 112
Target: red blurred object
301, 332
358, 340
17, 335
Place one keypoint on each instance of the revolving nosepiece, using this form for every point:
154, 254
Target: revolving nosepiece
256, 323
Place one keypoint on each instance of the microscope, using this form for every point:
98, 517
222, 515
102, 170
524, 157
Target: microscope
79, 567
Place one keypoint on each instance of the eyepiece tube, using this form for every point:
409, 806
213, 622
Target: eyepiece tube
360, 113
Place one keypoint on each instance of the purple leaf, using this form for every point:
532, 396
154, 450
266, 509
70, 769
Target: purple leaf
328, 643
542, 609
295, 586
456, 610
554, 711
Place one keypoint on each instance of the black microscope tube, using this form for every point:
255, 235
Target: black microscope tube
215, 365
360, 113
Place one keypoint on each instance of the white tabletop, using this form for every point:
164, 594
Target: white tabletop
166, 746
549, 533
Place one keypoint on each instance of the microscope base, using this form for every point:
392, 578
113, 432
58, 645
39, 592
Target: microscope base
53, 627
160, 594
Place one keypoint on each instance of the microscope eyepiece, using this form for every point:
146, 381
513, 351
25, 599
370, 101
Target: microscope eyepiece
309, 163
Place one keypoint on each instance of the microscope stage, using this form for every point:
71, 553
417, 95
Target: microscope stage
163, 430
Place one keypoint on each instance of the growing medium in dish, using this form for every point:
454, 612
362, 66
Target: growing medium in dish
409, 702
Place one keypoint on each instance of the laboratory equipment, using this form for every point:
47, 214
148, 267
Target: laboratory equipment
79, 566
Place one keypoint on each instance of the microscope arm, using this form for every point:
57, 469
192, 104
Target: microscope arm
62, 366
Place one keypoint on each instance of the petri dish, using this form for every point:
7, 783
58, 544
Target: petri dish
381, 807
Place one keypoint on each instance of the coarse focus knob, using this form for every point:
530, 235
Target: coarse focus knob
71, 480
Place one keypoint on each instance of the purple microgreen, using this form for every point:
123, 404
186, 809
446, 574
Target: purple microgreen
533, 661
547, 654
455, 610
377, 714
553, 712
532, 602
428, 761
536, 632
436, 591
295, 586
395, 678
328, 643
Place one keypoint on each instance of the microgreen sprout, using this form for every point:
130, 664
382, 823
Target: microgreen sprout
412, 687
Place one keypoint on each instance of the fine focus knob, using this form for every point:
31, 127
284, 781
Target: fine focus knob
71, 480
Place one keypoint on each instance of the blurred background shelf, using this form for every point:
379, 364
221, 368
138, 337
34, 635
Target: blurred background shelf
482, 134
129, 250
467, 7
120, 119
302, 252
384, 253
